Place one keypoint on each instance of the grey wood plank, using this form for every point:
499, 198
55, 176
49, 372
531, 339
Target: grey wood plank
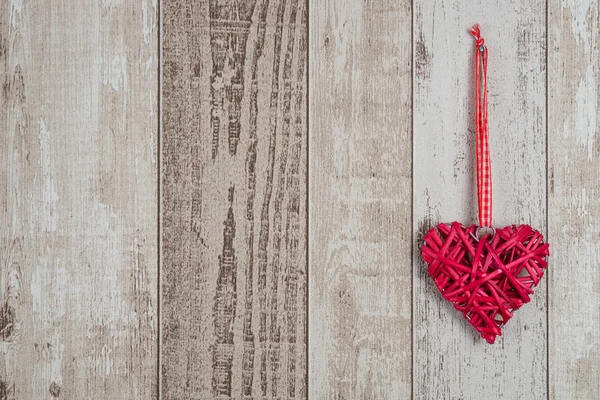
574, 212
450, 359
233, 165
78, 204
360, 200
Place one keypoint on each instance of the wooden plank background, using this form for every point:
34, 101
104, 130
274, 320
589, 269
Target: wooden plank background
573, 209
225, 198
450, 360
78, 200
360, 196
234, 280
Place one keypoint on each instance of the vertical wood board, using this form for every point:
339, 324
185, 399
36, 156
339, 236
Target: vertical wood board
233, 166
78, 200
360, 200
574, 211
450, 359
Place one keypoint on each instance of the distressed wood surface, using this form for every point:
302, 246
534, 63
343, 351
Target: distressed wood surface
234, 272
79, 219
78, 118
574, 211
450, 359
360, 200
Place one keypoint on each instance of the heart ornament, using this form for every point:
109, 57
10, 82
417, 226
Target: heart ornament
486, 273
486, 278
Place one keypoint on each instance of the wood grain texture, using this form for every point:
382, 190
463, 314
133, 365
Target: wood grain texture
234, 272
360, 200
450, 360
574, 211
78, 204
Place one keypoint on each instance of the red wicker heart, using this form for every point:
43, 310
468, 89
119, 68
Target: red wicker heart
485, 278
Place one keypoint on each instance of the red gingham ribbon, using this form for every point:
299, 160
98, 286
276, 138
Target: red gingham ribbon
484, 171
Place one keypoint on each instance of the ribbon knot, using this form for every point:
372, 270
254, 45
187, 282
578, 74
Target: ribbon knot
476, 32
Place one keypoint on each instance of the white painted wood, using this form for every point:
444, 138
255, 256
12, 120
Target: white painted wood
360, 200
450, 359
574, 211
78, 205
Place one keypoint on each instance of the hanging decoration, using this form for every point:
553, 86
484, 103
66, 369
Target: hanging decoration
485, 272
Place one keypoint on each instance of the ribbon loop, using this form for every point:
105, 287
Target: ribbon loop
484, 170
476, 32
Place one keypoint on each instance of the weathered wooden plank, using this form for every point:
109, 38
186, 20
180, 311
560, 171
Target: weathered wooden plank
234, 289
573, 190
450, 360
78, 200
360, 200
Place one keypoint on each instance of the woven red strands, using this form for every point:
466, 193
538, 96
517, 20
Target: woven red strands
486, 279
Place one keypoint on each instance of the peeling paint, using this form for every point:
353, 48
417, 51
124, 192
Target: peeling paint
16, 8
148, 21
111, 3
49, 195
587, 107
49, 288
116, 73
580, 12
49, 283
